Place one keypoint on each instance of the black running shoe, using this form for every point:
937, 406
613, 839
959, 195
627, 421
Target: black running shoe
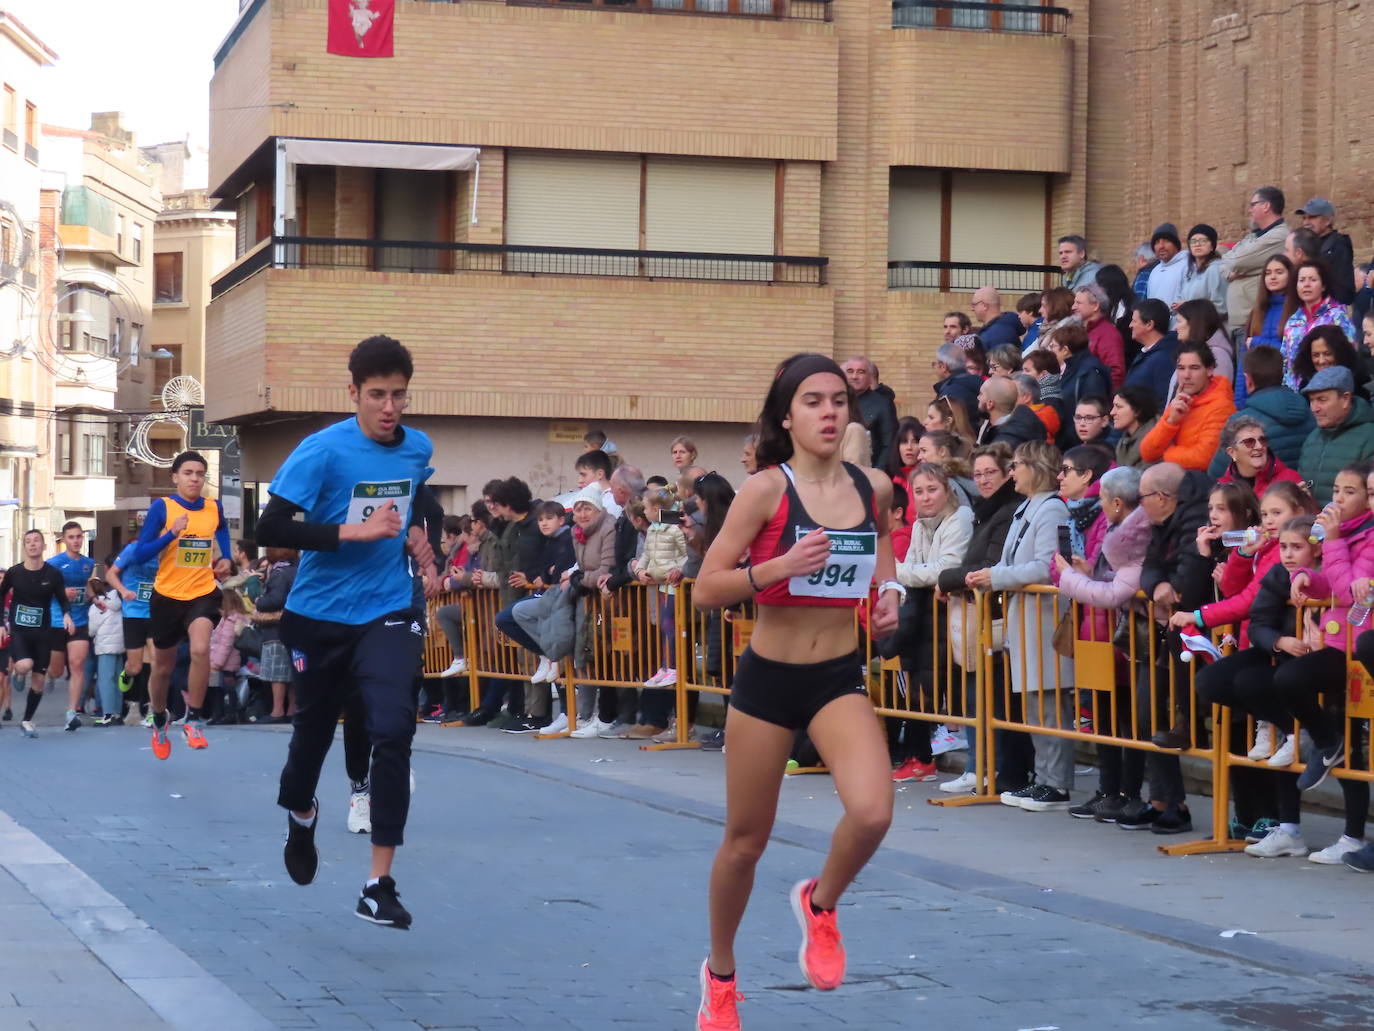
1088, 810
301, 856
1112, 809
380, 903
1142, 819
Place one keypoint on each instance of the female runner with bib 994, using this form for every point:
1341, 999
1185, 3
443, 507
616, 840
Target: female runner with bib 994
816, 531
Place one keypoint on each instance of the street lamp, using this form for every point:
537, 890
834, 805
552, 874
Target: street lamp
160, 352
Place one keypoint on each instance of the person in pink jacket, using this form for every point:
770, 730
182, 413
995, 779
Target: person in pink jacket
1106, 587
224, 657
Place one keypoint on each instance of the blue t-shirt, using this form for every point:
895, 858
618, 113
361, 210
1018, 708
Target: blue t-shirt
138, 577
75, 572
340, 475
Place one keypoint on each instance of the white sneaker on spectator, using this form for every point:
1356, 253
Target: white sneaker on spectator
455, 667
1278, 842
964, 784
1331, 855
559, 724
1285, 755
657, 678
615, 731
592, 728
668, 679
1264, 742
360, 813
537, 677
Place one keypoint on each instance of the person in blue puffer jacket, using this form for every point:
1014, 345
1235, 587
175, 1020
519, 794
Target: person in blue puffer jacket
1276, 303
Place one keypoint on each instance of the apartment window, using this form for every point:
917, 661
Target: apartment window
11, 115
93, 454
973, 14
84, 321
246, 222
966, 218
117, 338
167, 282
31, 133
64, 453
135, 341
136, 231
119, 234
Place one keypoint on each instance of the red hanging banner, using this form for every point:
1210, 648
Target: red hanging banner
361, 28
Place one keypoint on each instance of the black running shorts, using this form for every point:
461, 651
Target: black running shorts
58, 638
135, 633
32, 644
170, 618
789, 694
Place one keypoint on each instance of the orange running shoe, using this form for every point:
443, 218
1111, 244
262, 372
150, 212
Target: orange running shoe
195, 736
821, 955
162, 744
718, 999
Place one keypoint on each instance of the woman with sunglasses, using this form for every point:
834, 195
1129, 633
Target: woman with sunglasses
1245, 443
816, 530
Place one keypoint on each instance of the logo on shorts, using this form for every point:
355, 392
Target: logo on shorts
298, 660
415, 629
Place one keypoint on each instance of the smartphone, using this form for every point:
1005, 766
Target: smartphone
1065, 543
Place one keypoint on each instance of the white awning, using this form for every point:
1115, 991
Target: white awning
359, 154
422, 157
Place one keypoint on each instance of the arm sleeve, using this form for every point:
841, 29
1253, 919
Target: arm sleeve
278, 527
1101, 594
1236, 606
1158, 440
151, 538
428, 514
1238, 573
226, 547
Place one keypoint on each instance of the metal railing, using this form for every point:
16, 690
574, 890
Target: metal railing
304, 252
970, 275
804, 10
980, 16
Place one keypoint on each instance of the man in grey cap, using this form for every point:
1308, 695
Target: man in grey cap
1319, 215
1344, 433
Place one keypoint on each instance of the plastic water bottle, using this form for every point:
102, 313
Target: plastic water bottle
1246, 538
1359, 612
1318, 533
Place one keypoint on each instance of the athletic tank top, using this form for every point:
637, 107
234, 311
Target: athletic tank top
845, 579
185, 570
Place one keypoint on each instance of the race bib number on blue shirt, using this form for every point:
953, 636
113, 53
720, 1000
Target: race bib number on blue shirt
145, 590
849, 571
368, 497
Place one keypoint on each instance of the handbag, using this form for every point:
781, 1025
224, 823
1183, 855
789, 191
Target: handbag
1065, 634
248, 641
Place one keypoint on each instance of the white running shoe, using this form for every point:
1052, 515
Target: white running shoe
360, 813
455, 667
964, 784
657, 679
1331, 855
669, 678
73, 721
1285, 755
592, 728
1278, 842
27, 728
558, 726
1264, 742
538, 676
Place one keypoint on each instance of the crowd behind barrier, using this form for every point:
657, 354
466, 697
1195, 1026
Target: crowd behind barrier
969, 686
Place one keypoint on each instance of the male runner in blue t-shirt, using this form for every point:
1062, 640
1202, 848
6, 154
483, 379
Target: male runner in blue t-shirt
70, 650
134, 582
350, 620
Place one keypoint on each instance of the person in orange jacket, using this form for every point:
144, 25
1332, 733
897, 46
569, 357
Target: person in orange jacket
1192, 423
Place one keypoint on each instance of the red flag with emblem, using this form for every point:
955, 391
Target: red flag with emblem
361, 28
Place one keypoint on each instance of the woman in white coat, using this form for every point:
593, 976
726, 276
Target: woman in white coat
1032, 541
939, 541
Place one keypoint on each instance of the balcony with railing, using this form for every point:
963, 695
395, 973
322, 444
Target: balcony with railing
981, 16
955, 276
425, 258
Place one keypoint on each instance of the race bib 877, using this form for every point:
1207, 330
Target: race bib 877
369, 496
848, 573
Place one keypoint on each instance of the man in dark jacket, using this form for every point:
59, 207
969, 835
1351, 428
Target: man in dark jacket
1286, 417
1344, 433
1153, 364
1083, 376
518, 551
999, 327
1174, 576
876, 409
1007, 421
954, 382
1319, 215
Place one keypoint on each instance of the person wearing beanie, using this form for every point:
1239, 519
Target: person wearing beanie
1166, 280
1202, 276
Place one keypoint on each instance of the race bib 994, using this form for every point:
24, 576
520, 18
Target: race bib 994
848, 572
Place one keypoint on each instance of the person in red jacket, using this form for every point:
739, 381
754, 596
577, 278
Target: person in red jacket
1090, 304
1252, 463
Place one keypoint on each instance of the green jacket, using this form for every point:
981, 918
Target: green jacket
1327, 452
